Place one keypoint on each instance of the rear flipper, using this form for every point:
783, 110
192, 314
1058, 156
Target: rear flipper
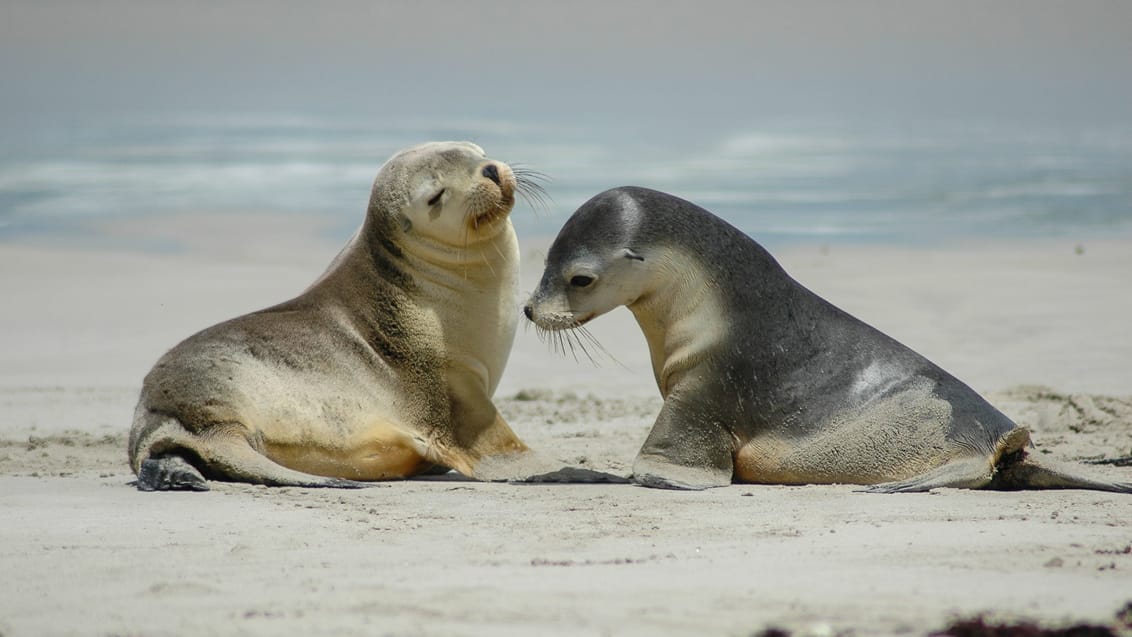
169, 473
1023, 473
970, 473
435, 470
963, 473
1012, 470
231, 460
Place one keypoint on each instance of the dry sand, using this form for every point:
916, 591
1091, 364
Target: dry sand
1040, 328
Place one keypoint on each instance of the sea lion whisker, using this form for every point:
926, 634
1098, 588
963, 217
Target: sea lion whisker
519, 168
581, 329
487, 261
550, 340
537, 198
464, 249
561, 343
528, 183
529, 177
566, 336
533, 190
499, 252
572, 336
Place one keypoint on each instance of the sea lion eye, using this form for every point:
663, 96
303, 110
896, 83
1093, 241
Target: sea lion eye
581, 280
436, 198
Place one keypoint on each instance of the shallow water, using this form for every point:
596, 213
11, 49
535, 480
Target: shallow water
782, 182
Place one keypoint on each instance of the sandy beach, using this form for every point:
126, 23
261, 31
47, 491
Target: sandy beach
1039, 327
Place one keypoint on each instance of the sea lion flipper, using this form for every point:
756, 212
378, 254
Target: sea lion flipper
650, 471
574, 475
174, 473
169, 473
234, 458
435, 470
679, 456
528, 466
1028, 474
487, 449
1016, 469
965, 473
499, 456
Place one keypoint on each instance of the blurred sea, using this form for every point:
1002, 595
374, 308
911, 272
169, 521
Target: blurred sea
782, 182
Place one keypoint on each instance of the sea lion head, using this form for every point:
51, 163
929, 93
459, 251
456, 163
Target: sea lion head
449, 192
598, 261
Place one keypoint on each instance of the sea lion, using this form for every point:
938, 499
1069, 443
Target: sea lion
383, 368
764, 381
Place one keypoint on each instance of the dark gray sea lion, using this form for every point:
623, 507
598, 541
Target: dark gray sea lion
763, 381
383, 368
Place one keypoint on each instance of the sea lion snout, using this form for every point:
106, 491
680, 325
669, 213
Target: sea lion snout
499, 174
492, 200
492, 173
552, 316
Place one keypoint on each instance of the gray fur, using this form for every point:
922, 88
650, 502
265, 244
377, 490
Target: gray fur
786, 388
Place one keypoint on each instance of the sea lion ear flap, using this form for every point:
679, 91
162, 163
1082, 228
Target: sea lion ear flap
632, 254
406, 223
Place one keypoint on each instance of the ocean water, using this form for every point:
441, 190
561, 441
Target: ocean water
782, 182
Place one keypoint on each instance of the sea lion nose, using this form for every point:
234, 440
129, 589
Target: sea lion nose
492, 173
529, 313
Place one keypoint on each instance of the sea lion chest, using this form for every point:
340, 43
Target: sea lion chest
467, 311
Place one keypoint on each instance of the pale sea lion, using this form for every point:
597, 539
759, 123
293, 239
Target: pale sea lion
383, 368
763, 381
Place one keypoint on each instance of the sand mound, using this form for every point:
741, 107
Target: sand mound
1072, 426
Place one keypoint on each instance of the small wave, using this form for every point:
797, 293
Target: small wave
788, 179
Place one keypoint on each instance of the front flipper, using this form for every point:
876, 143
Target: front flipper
573, 475
659, 473
532, 467
495, 454
483, 447
685, 452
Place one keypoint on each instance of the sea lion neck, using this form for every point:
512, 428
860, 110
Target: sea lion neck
686, 311
680, 314
401, 243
